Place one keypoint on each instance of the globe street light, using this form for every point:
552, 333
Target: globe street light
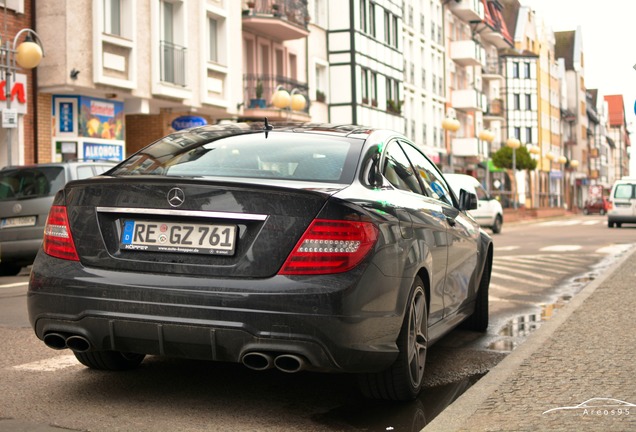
27, 55
514, 144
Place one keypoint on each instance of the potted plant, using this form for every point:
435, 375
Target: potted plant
259, 102
320, 96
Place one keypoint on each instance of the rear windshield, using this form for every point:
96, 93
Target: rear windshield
278, 156
32, 182
624, 191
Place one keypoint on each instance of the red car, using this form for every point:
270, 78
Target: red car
597, 205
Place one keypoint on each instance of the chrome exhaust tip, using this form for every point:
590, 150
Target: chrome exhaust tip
78, 343
258, 361
290, 363
56, 341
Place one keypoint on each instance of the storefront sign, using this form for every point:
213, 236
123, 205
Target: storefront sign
18, 93
98, 151
186, 122
66, 117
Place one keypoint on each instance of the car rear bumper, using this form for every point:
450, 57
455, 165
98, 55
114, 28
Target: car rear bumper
351, 325
621, 218
19, 251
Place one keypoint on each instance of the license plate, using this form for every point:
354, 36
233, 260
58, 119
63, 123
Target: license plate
15, 222
211, 239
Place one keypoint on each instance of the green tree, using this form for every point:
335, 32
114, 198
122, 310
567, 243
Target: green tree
502, 158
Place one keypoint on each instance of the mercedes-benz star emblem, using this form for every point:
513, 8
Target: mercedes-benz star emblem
176, 197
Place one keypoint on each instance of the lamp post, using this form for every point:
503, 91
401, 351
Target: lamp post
26, 55
574, 164
550, 156
514, 144
536, 151
562, 160
451, 124
487, 136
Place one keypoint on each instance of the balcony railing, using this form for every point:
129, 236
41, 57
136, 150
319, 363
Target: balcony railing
283, 19
259, 90
173, 63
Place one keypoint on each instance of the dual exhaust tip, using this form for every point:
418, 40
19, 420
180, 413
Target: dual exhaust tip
60, 341
289, 363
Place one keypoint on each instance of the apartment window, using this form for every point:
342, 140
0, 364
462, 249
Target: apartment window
516, 101
515, 69
321, 82
517, 133
528, 134
528, 102
173, 56
363, 15
395, 31
372, 19
422, 24
320, 13
526, 70
112, 17
387, 27
214, 39
424, 78
364, 84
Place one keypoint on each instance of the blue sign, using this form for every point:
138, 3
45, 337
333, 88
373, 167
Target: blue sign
186, 122
66, 117
97, 151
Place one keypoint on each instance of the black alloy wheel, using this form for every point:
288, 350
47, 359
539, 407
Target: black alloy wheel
403, 380
496, 228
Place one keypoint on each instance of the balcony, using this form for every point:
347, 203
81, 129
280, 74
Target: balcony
173, 65
465, 147
495, 110
467, 53
277, 19
257, 97
495, 37
468, 99
468, 10
492, 70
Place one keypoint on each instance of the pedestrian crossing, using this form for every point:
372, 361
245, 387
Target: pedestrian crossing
571, 222
521, 278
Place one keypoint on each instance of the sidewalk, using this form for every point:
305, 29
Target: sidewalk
586, 351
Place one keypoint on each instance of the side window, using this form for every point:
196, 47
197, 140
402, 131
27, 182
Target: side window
84, 172
623, 191
481, 193
398, 170
433, 182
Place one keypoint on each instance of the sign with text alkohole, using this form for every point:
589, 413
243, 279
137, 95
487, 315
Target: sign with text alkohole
101, 151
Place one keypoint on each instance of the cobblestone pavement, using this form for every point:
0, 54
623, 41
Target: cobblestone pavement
586, 353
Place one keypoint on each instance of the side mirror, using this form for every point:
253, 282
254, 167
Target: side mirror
467, 200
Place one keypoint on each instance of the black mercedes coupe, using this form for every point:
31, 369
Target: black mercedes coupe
296, 247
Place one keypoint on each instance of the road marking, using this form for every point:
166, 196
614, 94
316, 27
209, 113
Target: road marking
532, 274
49, 365
508, 277
561, 248
507, 248
506, 289
13, 285
596, 222
532, 265
504, 300
615, 249
561, 223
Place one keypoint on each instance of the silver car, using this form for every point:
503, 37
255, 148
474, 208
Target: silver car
26, 195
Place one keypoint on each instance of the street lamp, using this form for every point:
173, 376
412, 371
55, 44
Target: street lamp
487, 136
451, 124
514, 144
550, 156
562, 160
27, 55
282, 99
574, 164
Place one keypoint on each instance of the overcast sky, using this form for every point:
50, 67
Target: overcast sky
609, 44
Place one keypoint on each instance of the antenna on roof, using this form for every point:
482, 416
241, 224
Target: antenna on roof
268, 127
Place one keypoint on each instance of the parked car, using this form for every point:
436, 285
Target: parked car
327, 248
489, 213
26, 195
598, 205
623, 203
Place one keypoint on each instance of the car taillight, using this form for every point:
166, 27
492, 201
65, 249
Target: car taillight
330, 246
58, 241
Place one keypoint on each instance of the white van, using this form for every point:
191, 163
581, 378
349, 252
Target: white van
488, 213
623, 200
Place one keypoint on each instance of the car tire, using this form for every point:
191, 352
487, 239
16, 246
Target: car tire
7, 269
602, 212
109, 360
478, 321
618, 224
403, 380
610, 224
586, 211
496, 228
